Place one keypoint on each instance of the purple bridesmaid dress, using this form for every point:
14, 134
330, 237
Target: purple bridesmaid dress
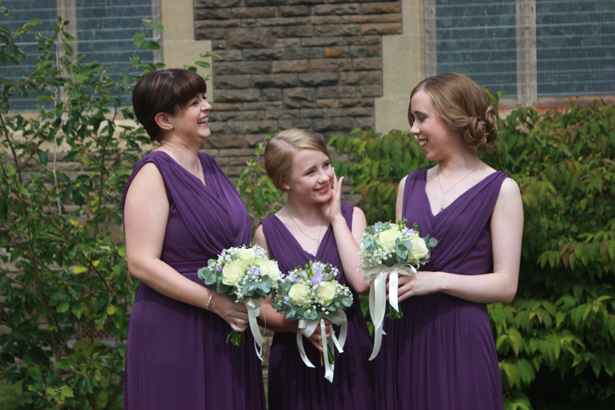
293, 385
441, 355
177, 356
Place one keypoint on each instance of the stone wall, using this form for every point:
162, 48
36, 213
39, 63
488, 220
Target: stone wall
309, 64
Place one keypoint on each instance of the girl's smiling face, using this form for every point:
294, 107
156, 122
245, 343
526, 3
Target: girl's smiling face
311, 176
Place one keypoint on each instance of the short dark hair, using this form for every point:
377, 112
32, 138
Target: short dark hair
166, 91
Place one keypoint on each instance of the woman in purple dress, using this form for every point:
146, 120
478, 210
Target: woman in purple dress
441, 354
314, 225
180, 209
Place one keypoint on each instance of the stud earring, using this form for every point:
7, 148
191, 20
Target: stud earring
286, 188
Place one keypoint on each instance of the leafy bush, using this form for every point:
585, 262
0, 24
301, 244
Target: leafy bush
555, 340
262, 198
63, 276
377, 164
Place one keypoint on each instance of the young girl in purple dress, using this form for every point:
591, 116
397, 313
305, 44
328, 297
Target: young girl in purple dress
314, 225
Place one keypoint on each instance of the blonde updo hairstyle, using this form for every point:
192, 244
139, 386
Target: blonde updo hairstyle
281, 148
463, 105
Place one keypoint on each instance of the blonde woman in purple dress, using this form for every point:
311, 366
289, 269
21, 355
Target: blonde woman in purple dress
314, 225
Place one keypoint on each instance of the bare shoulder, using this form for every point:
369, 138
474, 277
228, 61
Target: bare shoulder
510, 188
148, 182
357, 213
509, 203
259, 237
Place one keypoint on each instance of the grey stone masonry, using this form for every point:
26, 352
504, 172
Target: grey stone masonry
313, 64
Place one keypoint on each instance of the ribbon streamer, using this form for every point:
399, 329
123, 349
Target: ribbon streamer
377, 277
254, 310
307, 327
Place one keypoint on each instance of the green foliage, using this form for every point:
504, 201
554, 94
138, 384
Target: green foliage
375, 166
262, 198
555, 340
63, 274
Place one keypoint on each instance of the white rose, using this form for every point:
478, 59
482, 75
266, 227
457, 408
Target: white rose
326, 292
271, 269
386, 239
232, 272
299, 294
419, 248
247, 256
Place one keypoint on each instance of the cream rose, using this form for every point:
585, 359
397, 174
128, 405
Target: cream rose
232, 272
247, 256
419, 248
270, 268
386, 239
299, 294
326, 292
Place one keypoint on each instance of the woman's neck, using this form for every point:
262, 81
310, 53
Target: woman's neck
304, 212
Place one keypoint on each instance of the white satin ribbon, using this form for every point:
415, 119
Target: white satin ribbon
377, 277
307, 327
254, 310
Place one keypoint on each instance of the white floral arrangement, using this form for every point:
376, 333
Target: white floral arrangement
311, 294
247, 276
388, 250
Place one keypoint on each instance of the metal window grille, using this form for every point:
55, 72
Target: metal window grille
103, 29
528, 49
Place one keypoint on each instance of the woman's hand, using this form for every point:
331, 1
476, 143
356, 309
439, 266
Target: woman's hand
235, 314
316, 337
422, 283
333, 208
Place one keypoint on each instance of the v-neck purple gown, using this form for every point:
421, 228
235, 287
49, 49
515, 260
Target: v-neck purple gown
441, 355
293, 385
177, 356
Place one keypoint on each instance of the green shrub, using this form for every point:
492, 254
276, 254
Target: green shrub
555, 340
262, 198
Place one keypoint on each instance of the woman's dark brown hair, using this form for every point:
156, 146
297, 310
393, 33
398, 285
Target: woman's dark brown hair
166, 91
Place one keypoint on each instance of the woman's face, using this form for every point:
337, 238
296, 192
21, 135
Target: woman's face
311, 176
192, 120
431, 131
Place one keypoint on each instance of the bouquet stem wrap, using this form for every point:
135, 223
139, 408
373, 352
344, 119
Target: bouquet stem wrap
377, 277
254, 310
307, 327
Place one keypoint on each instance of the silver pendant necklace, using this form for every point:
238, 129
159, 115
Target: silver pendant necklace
454, 185
317, 240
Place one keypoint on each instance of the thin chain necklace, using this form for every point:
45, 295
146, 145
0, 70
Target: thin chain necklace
198, 163
454, 185
317, 240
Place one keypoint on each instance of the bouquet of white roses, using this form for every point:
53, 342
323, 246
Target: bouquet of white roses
246, 275
311, 294
389, 250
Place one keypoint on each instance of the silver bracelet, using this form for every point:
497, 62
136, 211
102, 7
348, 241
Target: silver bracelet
208, 304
